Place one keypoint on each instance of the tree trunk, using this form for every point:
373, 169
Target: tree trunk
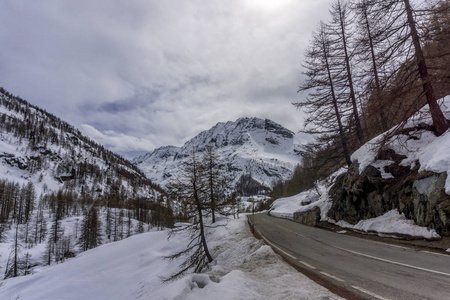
211, 186
16, 252
200, 220
383, 123
359, 131
336, 109
441, 124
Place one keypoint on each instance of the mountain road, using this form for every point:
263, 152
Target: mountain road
369, 269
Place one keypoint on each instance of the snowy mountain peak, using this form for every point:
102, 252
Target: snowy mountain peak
240, 132
162, 153
255, 146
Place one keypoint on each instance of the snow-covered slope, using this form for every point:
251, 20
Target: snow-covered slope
243, 268
38, 147
51, 176
259, 147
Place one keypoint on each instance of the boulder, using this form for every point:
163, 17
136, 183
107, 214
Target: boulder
310, 217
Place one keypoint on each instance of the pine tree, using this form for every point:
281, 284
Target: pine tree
403, 26
129, 224
325, 110
190, 187
13, 264
339, 34
28, 195
90, 236
217, 183
48, 255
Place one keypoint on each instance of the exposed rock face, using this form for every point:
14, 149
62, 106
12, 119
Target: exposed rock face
429, 205
310, 217
247, 186
420, 196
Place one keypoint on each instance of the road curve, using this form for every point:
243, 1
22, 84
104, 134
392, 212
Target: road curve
370, 269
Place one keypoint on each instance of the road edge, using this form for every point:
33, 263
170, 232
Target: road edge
324, 281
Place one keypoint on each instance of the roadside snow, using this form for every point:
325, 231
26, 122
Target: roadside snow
244, 268
307, 200
391, 222
285, 207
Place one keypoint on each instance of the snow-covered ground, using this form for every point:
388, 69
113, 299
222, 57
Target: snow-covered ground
318, 196
244, 268
392, 222
70, 229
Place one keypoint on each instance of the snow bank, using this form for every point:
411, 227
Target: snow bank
244, 268
285, 207
391, 222
307, 200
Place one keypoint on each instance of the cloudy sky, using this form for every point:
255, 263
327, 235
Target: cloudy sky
139, 74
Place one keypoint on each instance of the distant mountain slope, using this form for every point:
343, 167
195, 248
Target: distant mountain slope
37, 146
249, 146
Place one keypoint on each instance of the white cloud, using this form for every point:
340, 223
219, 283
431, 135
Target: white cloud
157, 70
117, 142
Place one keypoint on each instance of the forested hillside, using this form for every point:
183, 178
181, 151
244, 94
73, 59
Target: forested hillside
62, 193
369, 68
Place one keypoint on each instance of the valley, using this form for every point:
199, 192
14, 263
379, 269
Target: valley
190, 150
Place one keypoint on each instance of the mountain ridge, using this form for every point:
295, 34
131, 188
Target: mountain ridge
250, 145
37, 146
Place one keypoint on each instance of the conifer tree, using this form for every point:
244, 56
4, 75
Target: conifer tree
403, 25
90, 236
13, 264
325, 110
217, 183
190, 187
340, 32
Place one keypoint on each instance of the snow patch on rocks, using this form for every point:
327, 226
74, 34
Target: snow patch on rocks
391, 222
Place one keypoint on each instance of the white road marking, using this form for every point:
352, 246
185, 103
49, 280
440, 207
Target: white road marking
408, 248
308, 265
332, 276
279, 249
282, 227
290, 230
435, 253
392, 245
299, 234
394, 262
276, 247
369, 293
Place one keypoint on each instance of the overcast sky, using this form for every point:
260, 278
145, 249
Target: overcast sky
135, 75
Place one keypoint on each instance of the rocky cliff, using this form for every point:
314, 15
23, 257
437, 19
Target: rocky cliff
420, 196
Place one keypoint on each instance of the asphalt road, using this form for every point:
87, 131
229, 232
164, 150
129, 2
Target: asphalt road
367, 268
